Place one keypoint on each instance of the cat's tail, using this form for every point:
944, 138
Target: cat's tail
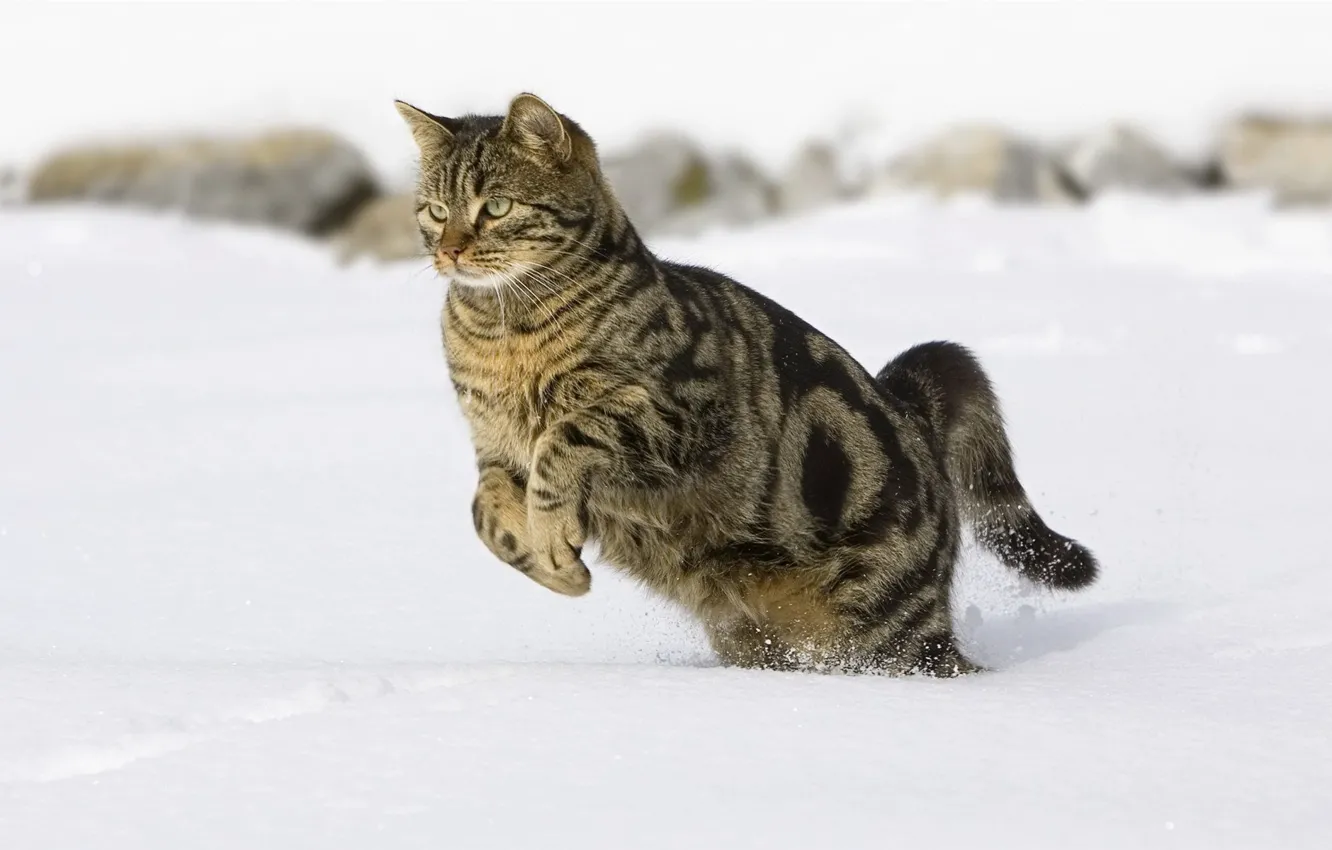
947, 384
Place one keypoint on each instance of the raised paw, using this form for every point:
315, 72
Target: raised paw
557, 548
501, 520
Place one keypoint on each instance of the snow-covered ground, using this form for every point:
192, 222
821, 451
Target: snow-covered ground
241, 604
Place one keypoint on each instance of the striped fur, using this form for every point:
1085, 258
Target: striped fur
717, 448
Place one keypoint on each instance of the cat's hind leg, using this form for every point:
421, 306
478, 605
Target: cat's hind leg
740, 642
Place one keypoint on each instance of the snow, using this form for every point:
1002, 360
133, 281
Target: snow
243, 604
761, 80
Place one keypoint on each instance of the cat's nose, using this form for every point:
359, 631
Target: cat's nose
450, 251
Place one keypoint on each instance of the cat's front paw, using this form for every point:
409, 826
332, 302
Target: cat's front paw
501, 522
557, 548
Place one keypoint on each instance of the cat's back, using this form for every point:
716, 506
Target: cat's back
800, 356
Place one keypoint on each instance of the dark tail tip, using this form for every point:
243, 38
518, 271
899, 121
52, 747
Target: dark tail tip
1041, 554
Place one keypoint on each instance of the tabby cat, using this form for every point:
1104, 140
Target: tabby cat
717, 448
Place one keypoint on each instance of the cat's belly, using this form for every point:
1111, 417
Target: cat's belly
669, 552
635, 543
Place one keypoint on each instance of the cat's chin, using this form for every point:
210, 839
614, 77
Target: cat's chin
474, 280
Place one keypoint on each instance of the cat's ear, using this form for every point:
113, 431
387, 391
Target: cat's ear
532, 123
429, 131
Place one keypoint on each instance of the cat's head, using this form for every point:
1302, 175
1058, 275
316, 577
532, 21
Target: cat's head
499, 197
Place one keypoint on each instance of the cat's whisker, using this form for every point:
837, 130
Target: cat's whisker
554, 286
594, 250
499, 296
535, 299
590, 259
416, 273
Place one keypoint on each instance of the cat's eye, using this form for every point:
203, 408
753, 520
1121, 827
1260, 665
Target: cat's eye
498, 207
439, 212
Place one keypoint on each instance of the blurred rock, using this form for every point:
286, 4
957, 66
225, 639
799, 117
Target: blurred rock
979, 160
304, 180
668, 185
12, 190
737, 194
656, 178
384, 229
1291, 157
813, 180
1123, 158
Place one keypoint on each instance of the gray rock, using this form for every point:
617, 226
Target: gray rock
384, 229
668, 185
1290, 157
737, 194
982, 160
12, 189
1120, 157
812, 180
304, 180
657, 177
